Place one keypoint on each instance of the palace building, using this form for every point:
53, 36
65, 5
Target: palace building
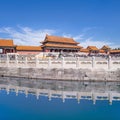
28, 49
60, 44
54, 44
7, 46
114, 52
93, 50
106, 49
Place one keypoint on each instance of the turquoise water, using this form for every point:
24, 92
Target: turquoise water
19, 107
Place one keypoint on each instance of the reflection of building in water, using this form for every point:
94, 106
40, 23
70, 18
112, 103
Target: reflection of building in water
63, 89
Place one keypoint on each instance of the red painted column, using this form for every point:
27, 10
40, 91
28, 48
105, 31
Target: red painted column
3, 51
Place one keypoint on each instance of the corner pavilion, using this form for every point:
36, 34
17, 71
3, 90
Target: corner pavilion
7, 46
60, 44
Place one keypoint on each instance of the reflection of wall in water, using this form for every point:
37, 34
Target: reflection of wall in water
63, 89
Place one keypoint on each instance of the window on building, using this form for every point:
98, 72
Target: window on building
1, 50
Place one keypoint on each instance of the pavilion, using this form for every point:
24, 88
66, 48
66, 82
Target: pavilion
93, 50
59, 44
106, 49
114, 52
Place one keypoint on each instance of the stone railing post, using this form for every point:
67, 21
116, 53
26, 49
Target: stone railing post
37, 94
63, 97
62, 62
93, 61
77, 62
26, 62
8, 60
109, 62
110, 98
0, 61
78, 97
49, 62
94, 98
49, 96
16, 91
8, 90
37, 61
26, 93
16, 60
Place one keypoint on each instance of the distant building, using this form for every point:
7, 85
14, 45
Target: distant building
114, 52
84, 51
106, 49
102, 52
93, 50
28, 49
7, 46
60, 44
54, 44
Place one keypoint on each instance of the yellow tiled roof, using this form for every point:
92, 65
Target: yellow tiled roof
6, 43
59, 39
101, 51
61, 46
105, 47
27, 48
92, 48
114, 51
84, 50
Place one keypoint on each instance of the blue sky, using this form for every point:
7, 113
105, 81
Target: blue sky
90, 22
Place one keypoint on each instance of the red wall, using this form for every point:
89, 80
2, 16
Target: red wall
27, 52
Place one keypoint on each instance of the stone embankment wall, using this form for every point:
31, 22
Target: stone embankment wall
62, 74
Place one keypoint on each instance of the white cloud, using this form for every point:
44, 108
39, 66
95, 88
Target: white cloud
90, 42
67, 35
88, 29
29, 36
84, 41
26, 35
77, 37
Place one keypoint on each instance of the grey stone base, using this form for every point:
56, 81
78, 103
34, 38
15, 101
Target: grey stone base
62, 74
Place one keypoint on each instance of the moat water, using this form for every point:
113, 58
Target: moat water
58, 100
